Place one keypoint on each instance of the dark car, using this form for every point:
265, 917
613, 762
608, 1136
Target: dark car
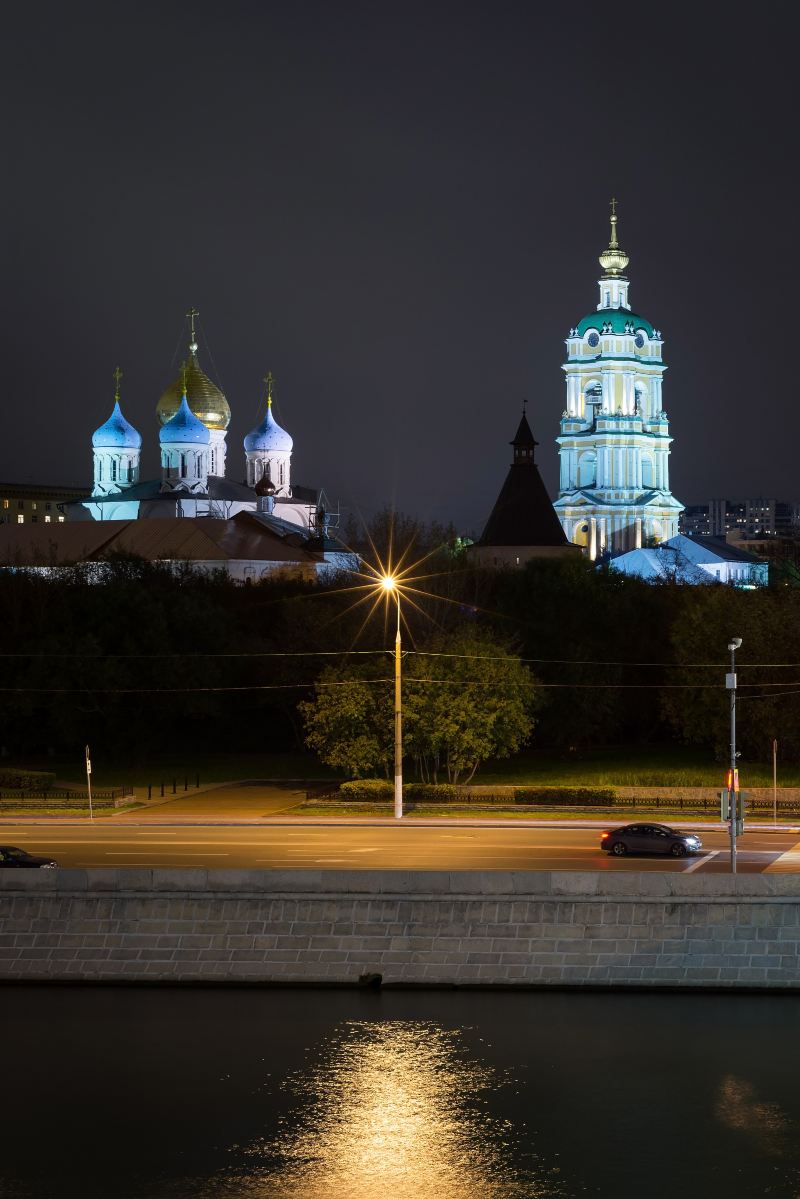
19, 859
649, 838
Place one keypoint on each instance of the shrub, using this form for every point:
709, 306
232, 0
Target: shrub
434, 793
365, 790
26, 780
576, 796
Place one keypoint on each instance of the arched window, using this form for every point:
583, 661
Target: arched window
587, 469
647, 472
183, 466
113, 470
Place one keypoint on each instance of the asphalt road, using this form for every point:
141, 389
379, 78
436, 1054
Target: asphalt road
405, 847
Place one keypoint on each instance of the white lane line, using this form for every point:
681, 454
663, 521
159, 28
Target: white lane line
165, 853
372, 849
707, 857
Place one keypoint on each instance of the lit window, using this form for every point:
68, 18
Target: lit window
20, 519
33, 505
47, 520
61, 520
5, 503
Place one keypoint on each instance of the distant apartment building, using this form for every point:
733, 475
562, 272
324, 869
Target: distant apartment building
752, 518
35, 503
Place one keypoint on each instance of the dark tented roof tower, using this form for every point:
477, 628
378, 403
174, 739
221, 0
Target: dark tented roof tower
523, 514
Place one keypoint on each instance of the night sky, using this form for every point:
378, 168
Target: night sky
397, 208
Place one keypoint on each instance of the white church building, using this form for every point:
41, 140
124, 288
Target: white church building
614, 445
194, 416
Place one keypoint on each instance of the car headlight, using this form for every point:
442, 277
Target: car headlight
49, 865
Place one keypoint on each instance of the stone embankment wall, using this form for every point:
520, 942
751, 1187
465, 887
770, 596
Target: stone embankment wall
477, 928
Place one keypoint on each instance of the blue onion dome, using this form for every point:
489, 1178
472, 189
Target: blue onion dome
117, 433
184, 428
268, 436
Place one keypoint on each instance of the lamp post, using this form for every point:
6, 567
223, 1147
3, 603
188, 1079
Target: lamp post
389, 584
730, 683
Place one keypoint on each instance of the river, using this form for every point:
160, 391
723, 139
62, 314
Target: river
184, 1093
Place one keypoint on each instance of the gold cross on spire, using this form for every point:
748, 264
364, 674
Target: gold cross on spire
191, 314
269, 380
184, 373
613, 243
117, 377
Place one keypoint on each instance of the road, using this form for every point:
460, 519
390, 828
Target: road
284, 845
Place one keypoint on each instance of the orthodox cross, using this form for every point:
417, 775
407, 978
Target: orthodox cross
269, 380
117, 377
192, 313
613, 206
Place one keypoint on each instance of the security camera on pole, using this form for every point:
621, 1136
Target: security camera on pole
733, 773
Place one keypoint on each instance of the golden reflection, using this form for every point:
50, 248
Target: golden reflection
739, 1108
398, 1109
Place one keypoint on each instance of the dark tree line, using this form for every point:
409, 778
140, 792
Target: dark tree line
148, 661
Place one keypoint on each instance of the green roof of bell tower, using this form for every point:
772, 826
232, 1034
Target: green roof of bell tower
617, 318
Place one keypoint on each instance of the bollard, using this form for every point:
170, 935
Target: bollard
174, 787
162, 788
149, 790
186, 782
197, 780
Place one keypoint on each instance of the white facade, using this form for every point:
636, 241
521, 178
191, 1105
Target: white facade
614, 446
194, 415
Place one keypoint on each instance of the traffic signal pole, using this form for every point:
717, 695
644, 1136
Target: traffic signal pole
730, 683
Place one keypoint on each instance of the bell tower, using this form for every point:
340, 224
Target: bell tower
614, 445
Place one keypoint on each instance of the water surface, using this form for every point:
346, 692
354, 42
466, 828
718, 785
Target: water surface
214, 1093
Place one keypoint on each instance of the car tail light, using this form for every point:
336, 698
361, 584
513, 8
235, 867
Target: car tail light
603, 836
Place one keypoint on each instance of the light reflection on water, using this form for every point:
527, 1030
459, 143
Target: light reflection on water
395, 1108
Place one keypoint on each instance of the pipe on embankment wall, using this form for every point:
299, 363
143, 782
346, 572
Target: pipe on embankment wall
502, 928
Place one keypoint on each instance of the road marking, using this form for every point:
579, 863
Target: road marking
702, 861
174, 853
371, 849
786, 862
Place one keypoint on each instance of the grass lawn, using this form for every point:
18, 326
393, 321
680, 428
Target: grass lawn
617, 766
633, 766
211, 768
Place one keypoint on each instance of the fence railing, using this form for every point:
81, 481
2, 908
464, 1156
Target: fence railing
561, 803
53, 793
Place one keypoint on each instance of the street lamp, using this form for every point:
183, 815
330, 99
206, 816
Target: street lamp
730, 683
389, 585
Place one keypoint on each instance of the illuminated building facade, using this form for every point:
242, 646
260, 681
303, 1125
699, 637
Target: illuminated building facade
614, 445
194, 416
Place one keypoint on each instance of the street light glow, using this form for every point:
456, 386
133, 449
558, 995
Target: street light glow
388, 583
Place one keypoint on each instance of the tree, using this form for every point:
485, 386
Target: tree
350, 722
468, 700
465, 699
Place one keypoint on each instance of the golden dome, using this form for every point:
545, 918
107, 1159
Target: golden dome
205, 399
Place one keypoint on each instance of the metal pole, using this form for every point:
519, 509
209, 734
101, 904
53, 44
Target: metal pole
398, 724
89, 782
732, 798
774, 781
